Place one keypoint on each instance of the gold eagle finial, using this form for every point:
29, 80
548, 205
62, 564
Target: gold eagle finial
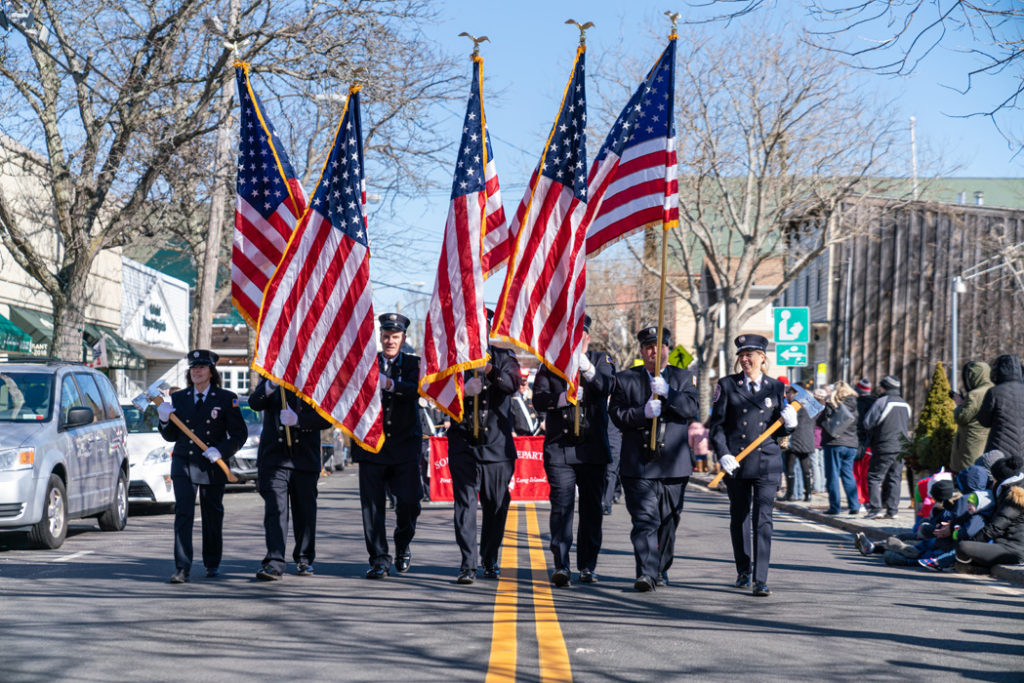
583, 29
476, 42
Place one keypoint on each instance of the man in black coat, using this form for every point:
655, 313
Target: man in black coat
287, 475
887, 424
213, 415
576, 457
396, 467
1002, 409
654, 482
481, 458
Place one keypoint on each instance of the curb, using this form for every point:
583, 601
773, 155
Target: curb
876, 532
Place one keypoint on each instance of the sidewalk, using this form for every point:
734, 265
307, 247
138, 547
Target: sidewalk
875, 529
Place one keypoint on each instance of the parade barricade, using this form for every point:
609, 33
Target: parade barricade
529, 482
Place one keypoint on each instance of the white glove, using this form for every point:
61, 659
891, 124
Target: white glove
789, 417
388, 384
659, 386
579, 396
652, 408
586, 367
164, 410
270, 387
474, 385
289, 418
729, 464
563, 401
211, 454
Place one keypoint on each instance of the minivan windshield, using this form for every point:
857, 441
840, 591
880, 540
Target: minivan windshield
26, 396
140, 422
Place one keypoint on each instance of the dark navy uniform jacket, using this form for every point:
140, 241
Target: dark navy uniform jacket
400, 412
678, 410
219, 423
561, 445
495, 405
738, 417
304, 453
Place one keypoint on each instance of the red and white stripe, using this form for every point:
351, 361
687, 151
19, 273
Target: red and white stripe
498, 236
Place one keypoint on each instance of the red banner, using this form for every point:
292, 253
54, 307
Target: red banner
529, 482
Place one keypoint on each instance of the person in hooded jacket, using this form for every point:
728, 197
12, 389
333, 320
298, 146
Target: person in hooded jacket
801, 445
1002, 409
840, 449
865, 399
1001, 541
971, 435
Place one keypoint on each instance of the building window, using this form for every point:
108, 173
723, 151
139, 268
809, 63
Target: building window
817, 284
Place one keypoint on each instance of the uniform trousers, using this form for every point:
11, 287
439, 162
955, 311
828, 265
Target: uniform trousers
283, 488
211, 505
376, 480
655, 506
490, 479
564, 479
750, 522
884, 478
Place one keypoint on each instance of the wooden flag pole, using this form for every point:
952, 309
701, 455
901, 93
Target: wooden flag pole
661, 327
476, 409
284, 406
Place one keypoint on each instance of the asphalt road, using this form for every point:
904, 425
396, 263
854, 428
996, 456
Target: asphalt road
100, 609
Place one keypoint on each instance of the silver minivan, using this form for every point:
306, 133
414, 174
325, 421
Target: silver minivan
63, 451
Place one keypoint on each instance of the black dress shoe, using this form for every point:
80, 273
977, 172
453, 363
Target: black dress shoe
742, 580
588, 576
560, 578
644, 584
466, 576
267, 573
491, 572
761, 589
212, 572
403, 562
377, 572
180, 576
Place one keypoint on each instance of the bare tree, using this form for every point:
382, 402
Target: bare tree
117, 98
894, 38
772, 139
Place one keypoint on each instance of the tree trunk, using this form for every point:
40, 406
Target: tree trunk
69, 310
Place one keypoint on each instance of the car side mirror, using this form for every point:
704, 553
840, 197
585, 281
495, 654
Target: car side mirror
78, 417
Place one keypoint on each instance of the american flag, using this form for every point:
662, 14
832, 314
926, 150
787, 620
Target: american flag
268, 203
316, 325
633, 183
455, 336
541, 305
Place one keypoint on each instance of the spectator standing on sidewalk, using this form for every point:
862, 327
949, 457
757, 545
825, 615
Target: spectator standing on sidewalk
865, 399
1003, 408
971, 435
887, 424
801, 445
839, 437
818, 456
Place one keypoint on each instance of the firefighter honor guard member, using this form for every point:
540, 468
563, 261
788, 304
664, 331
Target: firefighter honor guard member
213, 415
396, 467
287, 476
481, 457
745, 405
654, 481
576, 454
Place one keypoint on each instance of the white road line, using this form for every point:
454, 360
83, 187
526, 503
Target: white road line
73, 556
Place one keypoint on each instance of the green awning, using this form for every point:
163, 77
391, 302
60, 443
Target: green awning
13, 338
38, 325
120, 354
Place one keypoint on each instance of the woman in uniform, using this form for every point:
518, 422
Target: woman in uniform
745, 405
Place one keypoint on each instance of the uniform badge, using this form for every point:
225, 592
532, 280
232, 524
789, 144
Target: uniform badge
214, 413
768, 403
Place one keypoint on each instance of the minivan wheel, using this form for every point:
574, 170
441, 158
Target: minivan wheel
50, 531
116, 516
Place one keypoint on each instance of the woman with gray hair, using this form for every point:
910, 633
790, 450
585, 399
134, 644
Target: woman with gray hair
839, 438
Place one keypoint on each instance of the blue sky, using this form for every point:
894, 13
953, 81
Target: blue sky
527, 63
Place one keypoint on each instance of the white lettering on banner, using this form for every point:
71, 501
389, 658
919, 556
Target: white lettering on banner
441, 464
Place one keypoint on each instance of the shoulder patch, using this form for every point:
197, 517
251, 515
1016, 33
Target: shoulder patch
718, 393
234, 403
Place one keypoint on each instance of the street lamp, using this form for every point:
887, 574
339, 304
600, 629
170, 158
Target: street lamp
959, 287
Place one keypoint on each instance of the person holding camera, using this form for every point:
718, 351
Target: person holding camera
576, 454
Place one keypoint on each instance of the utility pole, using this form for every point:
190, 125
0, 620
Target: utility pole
202, 320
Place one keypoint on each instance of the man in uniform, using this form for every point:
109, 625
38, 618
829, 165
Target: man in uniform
524, 417
287, 473
395, 468
576, 454
654, 481
481, 457
213, 415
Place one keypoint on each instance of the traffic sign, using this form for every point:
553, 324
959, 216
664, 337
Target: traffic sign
791, 354
791, 325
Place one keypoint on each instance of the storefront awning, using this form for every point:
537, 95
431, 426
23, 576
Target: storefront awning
120, 353
13, 338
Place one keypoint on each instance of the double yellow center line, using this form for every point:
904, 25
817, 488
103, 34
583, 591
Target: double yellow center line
551, 650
